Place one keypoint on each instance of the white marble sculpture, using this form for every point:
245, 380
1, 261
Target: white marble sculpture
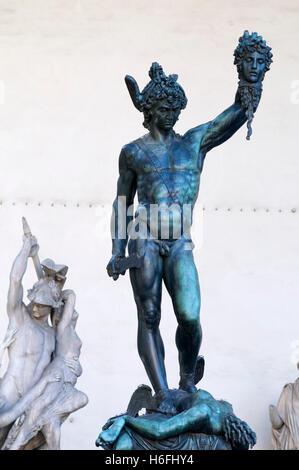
285, 418
37, 391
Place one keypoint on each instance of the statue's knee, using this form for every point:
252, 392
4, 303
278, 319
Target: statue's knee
151, 316
189, 321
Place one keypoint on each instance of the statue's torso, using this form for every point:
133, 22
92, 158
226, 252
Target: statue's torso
167, 176
29, 355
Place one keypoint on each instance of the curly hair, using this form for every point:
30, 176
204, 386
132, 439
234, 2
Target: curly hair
249, 43
160, 87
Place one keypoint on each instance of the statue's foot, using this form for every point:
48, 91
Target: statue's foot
165, 402
187, 383
199, 369
238, 432
111, 434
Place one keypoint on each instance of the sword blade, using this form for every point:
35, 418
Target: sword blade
129, 262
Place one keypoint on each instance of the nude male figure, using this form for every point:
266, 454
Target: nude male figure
164, 169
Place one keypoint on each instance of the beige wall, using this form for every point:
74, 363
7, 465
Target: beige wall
64, 115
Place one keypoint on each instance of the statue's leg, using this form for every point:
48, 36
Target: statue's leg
33, 416
147, 287
181, 280
52, 431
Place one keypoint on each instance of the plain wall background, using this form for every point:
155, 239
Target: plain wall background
65, 113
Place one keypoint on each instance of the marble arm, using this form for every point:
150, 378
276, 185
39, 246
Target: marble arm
15, 292
69, 297
9, 416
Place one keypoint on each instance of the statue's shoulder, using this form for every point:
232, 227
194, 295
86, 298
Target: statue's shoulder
202, 396
127, 155
130, 148
196, 133
130, 151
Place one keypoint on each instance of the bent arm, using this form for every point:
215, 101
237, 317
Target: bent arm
223, 126
126, 189
15, 292
24, 403
70, 299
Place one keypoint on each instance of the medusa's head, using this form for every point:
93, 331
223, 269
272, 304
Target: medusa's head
161, 101
252, 57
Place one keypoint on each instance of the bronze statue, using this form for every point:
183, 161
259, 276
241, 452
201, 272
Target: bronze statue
164, 168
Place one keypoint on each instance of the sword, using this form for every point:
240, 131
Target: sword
128, 262
35, 258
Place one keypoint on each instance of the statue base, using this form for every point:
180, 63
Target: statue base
186, 441
177, 421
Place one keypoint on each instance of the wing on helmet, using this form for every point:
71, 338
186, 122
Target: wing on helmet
134, 91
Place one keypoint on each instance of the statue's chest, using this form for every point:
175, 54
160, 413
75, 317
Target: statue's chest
35, 340
176, 157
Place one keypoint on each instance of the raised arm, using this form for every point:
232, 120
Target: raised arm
126, 189
223, 126
15, 306
207, 136
253, 59
69, 298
